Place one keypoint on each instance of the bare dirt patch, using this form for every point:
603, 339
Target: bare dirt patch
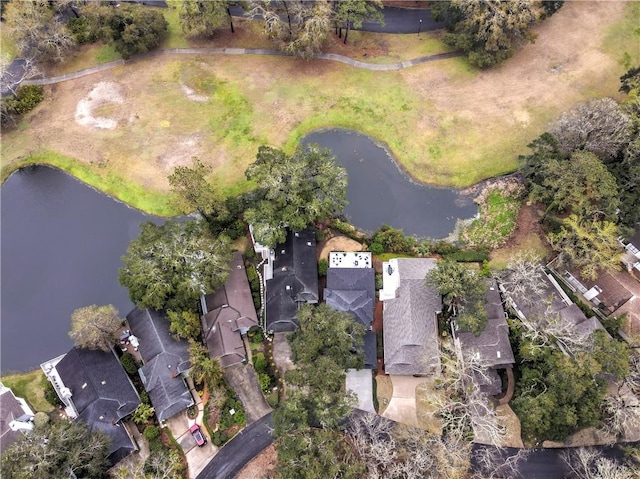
384, 392
103, 93
339, 243
263, 466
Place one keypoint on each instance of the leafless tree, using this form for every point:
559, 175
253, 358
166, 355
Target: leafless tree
523, 278
622, 409
588, 463
463, 406
11, 79
491, 462
599, 126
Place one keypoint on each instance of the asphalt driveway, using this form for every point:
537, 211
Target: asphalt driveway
244, 381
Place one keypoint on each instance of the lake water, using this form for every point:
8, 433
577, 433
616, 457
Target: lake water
61, 248
379, 192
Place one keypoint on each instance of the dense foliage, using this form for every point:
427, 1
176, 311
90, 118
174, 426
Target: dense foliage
13, 107
171, 266
463, 291
95, 327
53, 448
488, 31
202, 17
294, 191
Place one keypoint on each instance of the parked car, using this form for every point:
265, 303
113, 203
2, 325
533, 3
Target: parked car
196, 432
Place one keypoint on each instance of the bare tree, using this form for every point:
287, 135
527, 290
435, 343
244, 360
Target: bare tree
588, 463
12, 77
463, 406
599, 126
622, 409
492, 462
523, 278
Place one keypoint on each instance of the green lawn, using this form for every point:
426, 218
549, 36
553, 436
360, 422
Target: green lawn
29, 386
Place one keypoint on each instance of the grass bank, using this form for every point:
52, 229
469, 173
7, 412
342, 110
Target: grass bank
107, 181
29, 386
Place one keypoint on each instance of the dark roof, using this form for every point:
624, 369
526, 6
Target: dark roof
294, 282
229, 312
165, 359
353, 290
102, 394
492, 345
10, 410
410, 323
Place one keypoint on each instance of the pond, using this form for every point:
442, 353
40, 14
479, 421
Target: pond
380, 192
61, 248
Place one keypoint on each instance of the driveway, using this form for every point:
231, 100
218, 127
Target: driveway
244, 381
282, 353
402, 407
246, 445
197, 457
361, 383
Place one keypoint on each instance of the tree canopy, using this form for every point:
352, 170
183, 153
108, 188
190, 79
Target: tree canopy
57, 449
463, 290
95, 327
353, 13
194, 192
172, 265
326, 332
587, 244
580, 184
38, 30
301, 28
201, 17
488, 31
294, 191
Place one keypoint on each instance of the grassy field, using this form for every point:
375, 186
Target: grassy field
444, 122
29, 386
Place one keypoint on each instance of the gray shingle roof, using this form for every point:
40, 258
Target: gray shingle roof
353, 290
102, 393
492, 345
230, 312
410, 323
10, 410
165, 359
295, 280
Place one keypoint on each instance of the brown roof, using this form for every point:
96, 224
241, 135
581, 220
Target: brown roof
229, 313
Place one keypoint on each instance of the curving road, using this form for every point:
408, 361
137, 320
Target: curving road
233, 456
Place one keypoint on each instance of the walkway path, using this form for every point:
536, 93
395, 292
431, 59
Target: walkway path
241, 51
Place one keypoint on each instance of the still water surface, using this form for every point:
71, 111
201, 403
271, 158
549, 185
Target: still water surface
379, 192
61, 248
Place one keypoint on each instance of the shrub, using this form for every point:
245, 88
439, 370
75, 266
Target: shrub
256, 336
376, 248
28, 97
129, 363
379, 281
216, 439
259, 363
40, 419
83, 30
50, 394
151, 433
236, 229
239, 417
443, 248
265, 382
273, 399
323, 266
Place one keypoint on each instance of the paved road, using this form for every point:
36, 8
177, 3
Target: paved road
231, 458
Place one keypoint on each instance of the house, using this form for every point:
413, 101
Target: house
16, 417
228, 314
631, 256
552, 300
166, 362
410, 317
96, 390
492, 346
294, 282
351, 287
